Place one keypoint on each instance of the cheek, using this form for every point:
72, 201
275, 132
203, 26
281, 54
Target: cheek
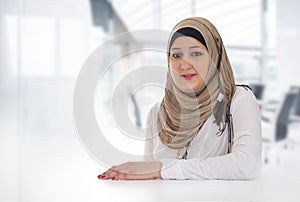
174, 66
202, 69
174, 74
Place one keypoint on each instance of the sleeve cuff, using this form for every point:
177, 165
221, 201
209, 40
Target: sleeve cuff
171, 169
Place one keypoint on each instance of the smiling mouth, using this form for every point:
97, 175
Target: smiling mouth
188, 76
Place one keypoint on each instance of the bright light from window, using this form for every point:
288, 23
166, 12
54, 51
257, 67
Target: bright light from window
71, 46
37, 46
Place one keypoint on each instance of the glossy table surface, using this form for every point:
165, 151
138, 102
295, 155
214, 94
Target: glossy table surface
274, 185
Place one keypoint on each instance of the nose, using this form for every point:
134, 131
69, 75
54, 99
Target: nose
184, 64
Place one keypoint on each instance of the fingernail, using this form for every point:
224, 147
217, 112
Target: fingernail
101, 176
113, 178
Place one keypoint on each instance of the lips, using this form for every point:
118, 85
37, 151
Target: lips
188, 76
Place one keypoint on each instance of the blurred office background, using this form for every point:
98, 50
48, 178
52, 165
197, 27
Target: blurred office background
45, 43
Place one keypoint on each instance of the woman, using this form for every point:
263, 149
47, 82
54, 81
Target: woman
205, 127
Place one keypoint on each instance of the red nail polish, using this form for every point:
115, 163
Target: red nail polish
113, 178
101, 176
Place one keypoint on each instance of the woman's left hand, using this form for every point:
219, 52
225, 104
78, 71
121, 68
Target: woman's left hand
134, 171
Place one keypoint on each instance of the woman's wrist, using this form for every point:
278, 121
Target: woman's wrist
158, 172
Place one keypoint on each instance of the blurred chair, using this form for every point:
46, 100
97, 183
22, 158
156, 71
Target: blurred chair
258, 90
294, 126
275, 131
137, 113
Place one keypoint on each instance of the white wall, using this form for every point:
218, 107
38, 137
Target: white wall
8, 107
43, 46
288, 43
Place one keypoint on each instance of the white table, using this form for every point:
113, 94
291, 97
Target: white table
275, 185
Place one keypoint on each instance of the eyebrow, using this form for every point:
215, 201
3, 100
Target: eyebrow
189, 47
195, 47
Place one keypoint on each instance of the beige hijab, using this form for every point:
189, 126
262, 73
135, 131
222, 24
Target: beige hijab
182, 115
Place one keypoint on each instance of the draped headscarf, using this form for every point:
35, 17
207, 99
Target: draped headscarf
181, 115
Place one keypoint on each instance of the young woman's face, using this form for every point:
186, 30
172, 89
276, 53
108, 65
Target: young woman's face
188, 62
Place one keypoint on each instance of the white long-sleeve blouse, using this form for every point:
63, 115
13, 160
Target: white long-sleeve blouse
208, 156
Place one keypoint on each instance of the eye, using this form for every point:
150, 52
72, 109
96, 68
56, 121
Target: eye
176, 55
196, 53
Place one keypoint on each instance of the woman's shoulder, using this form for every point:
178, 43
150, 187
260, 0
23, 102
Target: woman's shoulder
243, 94
243, 91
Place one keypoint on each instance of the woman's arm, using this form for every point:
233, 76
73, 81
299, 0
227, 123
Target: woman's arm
134, 171
244, 162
